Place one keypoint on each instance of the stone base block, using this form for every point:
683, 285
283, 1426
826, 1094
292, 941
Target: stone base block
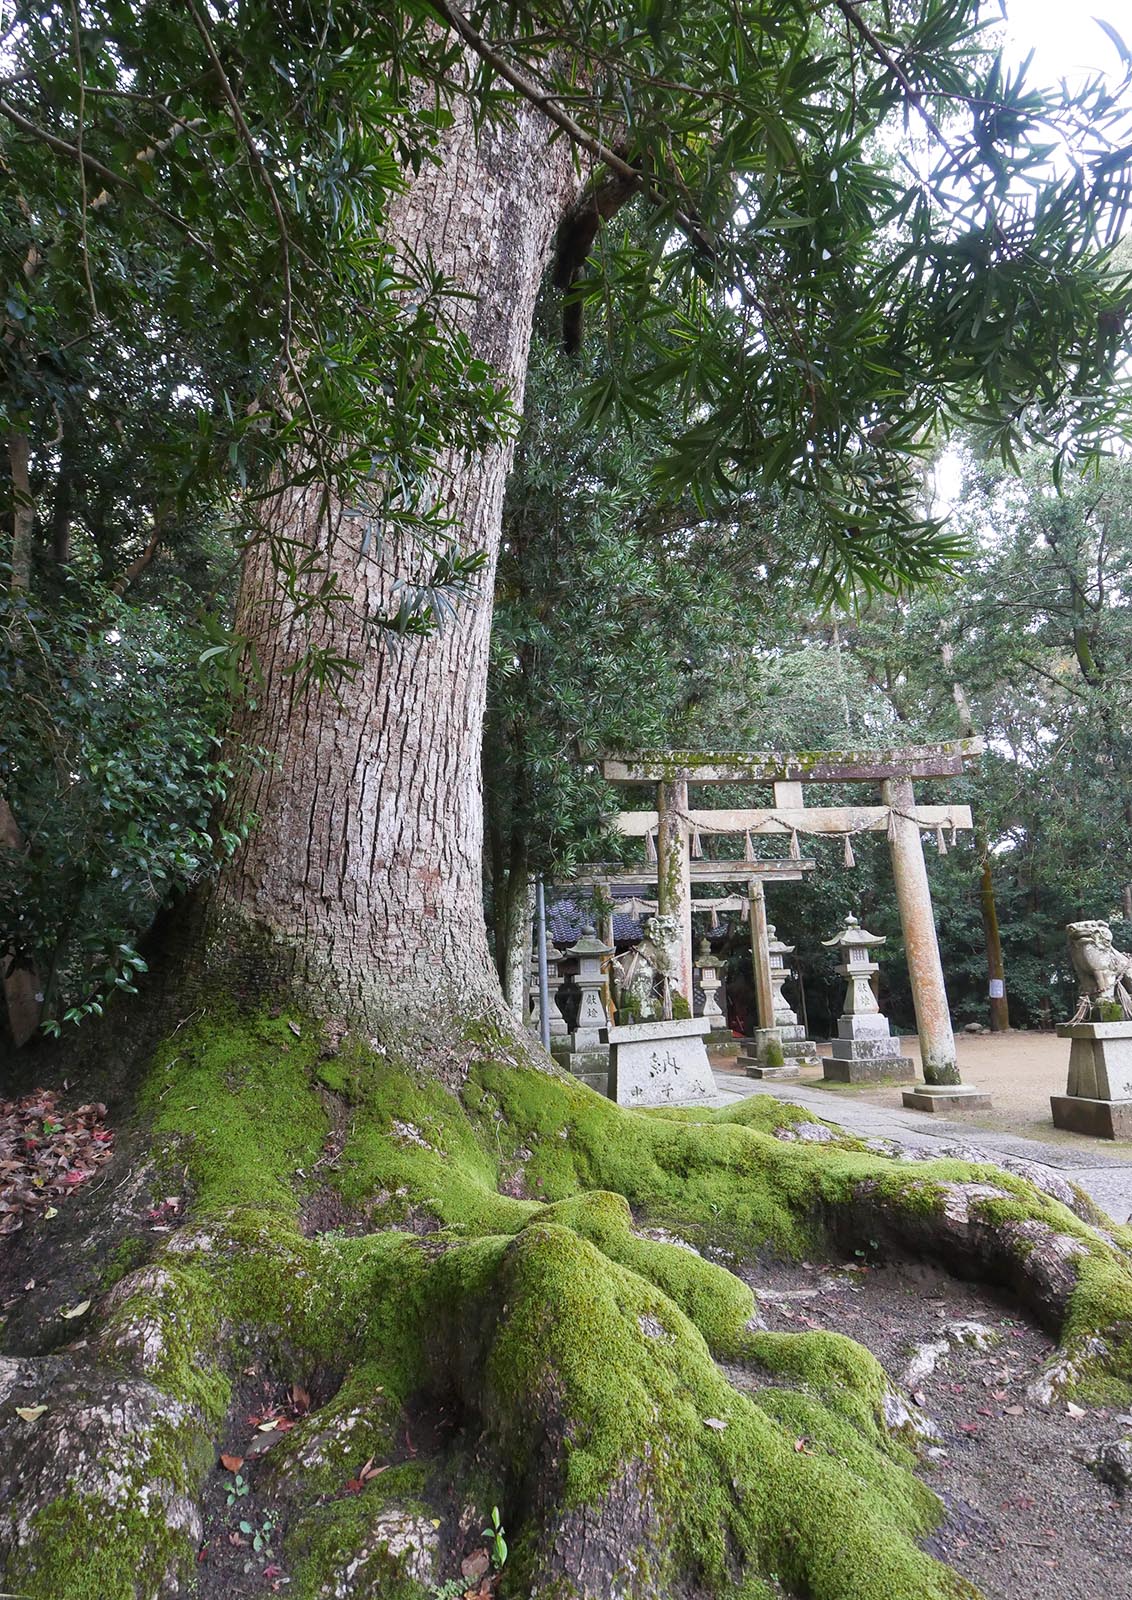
1100, 1060
865, 1049
660, 1063
946, 1097
753, 1070
877, 1069
1104, 1119
582, 1062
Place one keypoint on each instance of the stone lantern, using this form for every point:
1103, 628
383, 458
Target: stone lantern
557, 1021
585, 1052
864, 1050
782, 1050
784, 1014
709, 966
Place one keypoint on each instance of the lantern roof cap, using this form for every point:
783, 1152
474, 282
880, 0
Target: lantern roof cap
853, 934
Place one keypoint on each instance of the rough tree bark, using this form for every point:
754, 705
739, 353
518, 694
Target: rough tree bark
364, 871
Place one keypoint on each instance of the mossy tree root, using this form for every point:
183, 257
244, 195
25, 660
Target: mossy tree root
550, 1310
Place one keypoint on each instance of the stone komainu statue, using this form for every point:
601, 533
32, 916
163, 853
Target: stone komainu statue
1102, 970
649, 970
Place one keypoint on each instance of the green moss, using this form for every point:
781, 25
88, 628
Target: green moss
775, 1055
127, 1255
652, 1405
332, 1536
557, 1308
240, 1088
84, 1549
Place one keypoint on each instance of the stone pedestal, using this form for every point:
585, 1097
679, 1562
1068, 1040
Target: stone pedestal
946, 1097
660, 1064
1098, 1095
864, 1050
777, 1052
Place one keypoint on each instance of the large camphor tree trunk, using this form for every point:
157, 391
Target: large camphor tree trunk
363, 873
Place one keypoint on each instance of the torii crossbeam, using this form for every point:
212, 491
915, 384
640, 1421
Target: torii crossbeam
788, 773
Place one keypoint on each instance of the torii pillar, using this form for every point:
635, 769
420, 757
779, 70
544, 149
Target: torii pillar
921, 945
674, 871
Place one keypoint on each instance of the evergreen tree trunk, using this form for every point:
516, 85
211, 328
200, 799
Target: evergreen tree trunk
363, 874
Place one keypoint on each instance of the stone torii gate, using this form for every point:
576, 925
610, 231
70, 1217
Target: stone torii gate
752, 874
673, 824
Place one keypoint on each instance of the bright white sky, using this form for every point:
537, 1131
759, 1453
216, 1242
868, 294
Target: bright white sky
1065, 39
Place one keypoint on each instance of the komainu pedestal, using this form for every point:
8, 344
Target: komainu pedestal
864, 1050
1098, 1095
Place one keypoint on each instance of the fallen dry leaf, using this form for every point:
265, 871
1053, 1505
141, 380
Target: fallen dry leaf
1074, 1410
474, 1567
76, 1311
45, 1153
30, 1413
1015, 1411
231, 1463
714, 1422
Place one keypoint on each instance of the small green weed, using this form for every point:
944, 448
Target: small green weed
498, 1540
238, 1488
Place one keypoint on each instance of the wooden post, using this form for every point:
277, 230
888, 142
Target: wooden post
673, 871
760, 954
921, 947
996, 972
604, 897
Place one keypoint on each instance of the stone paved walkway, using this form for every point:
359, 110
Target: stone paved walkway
1103, 1174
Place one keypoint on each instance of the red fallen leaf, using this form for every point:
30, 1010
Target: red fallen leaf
984, 1411
969, 1427
802, 1446
202, 1552
274, 1570
75, 1177
300, 1399
231, 1463
354, 1486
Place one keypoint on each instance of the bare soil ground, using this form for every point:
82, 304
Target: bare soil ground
1025, 1516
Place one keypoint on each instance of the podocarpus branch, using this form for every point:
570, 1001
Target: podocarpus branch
579, 136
